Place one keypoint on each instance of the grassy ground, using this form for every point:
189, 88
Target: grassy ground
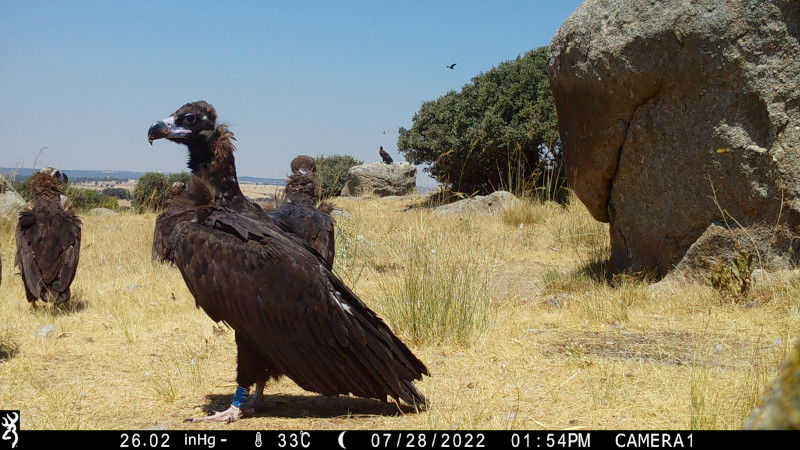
511, 314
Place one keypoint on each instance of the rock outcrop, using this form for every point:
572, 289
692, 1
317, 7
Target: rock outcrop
485, 205
11, 203
676, 115
779, 409
381, 179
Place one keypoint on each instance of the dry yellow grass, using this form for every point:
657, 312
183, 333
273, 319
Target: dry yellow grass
557, 349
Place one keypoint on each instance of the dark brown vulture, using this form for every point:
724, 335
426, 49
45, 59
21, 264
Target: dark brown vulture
386, 158
165, 222
291, 315
211, 159
48, 241
302, 212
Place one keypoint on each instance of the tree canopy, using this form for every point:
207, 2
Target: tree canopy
332, 172
152, 189
499, 131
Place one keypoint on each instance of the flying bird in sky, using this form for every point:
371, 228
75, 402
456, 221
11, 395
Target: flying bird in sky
451, 66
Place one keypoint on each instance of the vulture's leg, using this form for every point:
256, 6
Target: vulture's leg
248, 372
257, 403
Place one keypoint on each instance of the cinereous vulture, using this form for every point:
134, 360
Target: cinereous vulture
385, 155
302, 211
211, 159
291, 315
48, 240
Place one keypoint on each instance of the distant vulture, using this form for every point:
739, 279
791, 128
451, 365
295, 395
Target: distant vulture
302, 212
211, 159
48, 241
165, 222
386, 158
291, 315
451, 66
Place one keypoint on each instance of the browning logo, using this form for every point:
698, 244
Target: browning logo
10, 421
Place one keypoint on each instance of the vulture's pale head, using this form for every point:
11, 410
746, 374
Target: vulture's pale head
177, 188
192, 122
47, 183
55, 173
304, 164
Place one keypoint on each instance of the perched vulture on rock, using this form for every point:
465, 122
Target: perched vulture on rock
386, 158
165, 222
291, 315
302, 212
48, 241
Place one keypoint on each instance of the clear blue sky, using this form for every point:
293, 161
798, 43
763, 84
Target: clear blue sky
87, 79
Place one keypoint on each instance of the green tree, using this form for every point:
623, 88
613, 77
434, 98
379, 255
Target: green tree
86, 199
152, 189
23, 188
148, 194
118, 193
184, 177
499, 131
332, 173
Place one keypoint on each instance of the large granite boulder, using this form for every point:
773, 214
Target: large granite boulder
779, 408
11, 203
381, 179
675, 115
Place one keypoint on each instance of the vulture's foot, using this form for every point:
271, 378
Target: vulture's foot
232, 414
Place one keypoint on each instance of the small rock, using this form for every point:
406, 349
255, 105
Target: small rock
557, 301
46, 331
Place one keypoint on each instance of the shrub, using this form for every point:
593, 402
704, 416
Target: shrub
184, 177
499, 131
23, 188
118, 193
148, 195
85, 199
332, 173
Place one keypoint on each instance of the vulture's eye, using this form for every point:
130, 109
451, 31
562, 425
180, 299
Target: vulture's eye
190, 119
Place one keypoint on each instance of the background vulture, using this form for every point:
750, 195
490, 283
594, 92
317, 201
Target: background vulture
48, 240
211, 159
165, 222
386, 158
291, 315
302, 212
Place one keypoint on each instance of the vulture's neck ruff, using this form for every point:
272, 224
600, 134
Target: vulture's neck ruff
46, 188
212, 160
302, 190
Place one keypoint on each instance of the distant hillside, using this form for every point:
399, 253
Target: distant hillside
21, 174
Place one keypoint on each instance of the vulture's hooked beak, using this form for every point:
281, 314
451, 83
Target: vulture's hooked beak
166, 129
